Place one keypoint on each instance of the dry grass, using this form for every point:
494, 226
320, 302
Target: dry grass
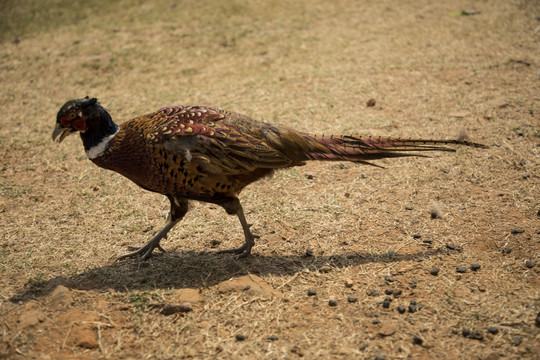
311, 65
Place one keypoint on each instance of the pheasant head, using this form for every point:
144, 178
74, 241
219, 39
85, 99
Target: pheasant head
87, 117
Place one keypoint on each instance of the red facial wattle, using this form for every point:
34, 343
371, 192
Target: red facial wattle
79, 124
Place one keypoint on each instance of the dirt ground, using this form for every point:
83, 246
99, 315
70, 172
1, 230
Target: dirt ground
351, 262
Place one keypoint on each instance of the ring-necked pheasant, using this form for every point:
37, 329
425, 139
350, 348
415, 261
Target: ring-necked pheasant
206, 154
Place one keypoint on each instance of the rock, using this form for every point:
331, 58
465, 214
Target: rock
476, 335
79, 327
530, 264
170, 309
257, 286
435, 271
387, 330
349, 283
273, 338
187, 295
332, 302
61, 296
461, 269
325, 269
311, 292
352, 299
240, 337
475, 267
517, 231
401, 309
417, 340
371, 102
493, 330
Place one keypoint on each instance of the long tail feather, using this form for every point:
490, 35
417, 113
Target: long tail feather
362, 148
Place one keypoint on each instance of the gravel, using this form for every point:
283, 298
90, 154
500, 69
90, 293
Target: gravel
461, 269
311, 292
240, 337
475, 267
435, 271
332, 302
493, 330
530, 264
401, 309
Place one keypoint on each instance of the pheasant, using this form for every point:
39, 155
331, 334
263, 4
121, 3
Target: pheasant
211, 155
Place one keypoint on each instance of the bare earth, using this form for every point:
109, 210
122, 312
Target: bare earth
337, 239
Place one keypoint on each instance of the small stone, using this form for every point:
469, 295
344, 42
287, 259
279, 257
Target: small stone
417, 236
311, 292
435, 271
451, 246
397, 292
493, 330
371, 102
461, 269
417, 340
465, 332
387, 330
537, 321
506, 250
530, 264
349, 283
273, 338
61, 295
516, 340
475, 267
388, 298
434, 215
412, 308
308, 253
372, 292
517, 231
409, 207
363, 347
476, 335
401, 309
240, 337
170, 309
332, 302
325, 269
386, 304
427, 241
352, 299
413, 302
389, 291
389, 279
309, 177
376, 322
455, 331
413, 283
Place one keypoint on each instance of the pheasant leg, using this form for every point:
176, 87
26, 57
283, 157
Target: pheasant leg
244, 250
179, 208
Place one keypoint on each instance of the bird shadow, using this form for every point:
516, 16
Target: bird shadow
192, 269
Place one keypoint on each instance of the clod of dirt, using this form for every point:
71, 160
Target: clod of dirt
257, 286
308, 253
476, 335
61, 296
417, 340
530, 264
465, 332
475, 267
493, 330
387, 330
170, 309
352, 299
332, 302
516, 340
517, 231
273, 338
240, 337
371, 102
349, 283
461, 269
401, 309
187, 295
30, 318
435, 271
507, 250
311, 292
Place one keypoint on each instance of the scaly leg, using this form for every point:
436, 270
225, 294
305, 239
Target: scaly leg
233, 207
179, 208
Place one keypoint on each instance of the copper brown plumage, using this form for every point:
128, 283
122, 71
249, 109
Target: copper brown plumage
211, 155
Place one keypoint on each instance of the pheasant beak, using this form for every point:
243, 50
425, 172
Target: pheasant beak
60, 133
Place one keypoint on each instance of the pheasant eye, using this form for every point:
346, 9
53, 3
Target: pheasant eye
72, 115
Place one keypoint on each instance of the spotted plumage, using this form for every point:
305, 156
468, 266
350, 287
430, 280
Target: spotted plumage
211, 155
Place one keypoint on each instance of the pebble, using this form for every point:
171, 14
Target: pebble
240, 337
434, 215
427, 241
397, 292
493, 330
506, 250
389, 279
349, 283
451, 246
352, 299
389, 291
475, 267
371, 102
388, 298
516, 340
386, 304
465, 332
311, 292
372, 292
477, 335
332, 302
273, 338
308, 253
409, 207
461, 269
417, 340
401, 309
530, 264
537, 321
435, 271
417, 236
517, 231
412, 308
